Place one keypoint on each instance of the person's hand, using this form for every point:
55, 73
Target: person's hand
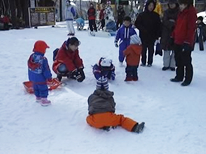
116, 44
113, 76
81, 75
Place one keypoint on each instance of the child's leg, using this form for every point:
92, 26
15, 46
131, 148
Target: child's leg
43, 90
36, 90
122, 47
150, 53
129, 73
101, 120
135, 73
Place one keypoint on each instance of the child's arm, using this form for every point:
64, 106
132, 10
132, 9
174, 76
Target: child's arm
46, 70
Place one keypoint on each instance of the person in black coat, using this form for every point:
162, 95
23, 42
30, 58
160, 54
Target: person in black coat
149, 25
120, 16
202, 29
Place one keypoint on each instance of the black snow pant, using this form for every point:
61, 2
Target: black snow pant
150, 47
184, 64
92, 25
131, 71
102, 24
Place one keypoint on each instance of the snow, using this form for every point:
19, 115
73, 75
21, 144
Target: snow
174, 115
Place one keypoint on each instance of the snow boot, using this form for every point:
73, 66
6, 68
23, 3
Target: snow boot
45, 102
38, 99
128, 79
138, 128
165, 68
106, 128
135, 78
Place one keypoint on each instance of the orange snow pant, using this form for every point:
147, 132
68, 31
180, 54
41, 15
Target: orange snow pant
100, 120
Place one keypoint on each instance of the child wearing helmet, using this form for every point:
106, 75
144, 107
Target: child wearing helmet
103, 71
39, 72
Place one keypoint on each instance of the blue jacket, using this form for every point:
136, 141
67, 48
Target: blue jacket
80, 21
107, 72
123, 36
38, 68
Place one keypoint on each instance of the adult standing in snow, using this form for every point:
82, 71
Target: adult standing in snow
102, 113
149, 25
69, 17
168, 23
68, 62
183, 35
122, 39
120, 16
39, 72
92, 16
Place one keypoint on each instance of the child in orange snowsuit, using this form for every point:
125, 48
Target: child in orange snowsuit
102, 113
132, 54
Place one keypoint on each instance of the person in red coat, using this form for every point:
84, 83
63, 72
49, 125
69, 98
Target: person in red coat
92, 16
67, 61
183, 37
101, 16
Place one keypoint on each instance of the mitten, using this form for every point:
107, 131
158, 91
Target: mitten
81, 75
116, 44
186, 47
113, 76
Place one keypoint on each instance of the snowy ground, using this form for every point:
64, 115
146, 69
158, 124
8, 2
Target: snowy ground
175, 116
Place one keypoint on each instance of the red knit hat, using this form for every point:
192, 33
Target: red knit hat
40, 46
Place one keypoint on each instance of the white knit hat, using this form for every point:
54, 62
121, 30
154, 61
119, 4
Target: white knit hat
134, 39
104, 62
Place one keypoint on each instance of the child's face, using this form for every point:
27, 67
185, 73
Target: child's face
126, 23
172, 5
73, 47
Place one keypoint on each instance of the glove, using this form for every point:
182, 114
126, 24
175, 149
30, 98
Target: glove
81, 75
186, 47
116, 45
113, 76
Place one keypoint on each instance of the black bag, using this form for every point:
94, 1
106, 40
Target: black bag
158, 50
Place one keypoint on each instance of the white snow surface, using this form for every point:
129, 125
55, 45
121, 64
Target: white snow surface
174, 116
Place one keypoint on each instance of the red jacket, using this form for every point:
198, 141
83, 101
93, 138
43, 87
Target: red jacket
101, 14
68, 57
91, 13
132, 54
185, 26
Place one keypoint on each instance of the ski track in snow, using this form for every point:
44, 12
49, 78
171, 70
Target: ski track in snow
174, 115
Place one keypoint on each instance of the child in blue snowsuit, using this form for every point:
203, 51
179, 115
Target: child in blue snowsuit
103, 71
80, 23
123, 37
39, 72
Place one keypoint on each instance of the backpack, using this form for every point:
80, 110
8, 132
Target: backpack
55, 52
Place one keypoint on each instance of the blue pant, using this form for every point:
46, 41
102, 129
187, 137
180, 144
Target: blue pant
40, 90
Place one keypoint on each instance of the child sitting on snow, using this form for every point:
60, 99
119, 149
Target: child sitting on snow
101, 107
39, 72
103, 71
132, 54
